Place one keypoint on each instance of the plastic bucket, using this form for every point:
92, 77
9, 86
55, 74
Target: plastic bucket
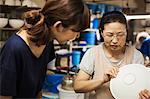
76, 55
96, 23
90, 38
52, 81
65, 94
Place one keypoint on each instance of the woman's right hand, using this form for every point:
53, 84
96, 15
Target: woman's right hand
110, 73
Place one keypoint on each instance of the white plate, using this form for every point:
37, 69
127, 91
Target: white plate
130, 80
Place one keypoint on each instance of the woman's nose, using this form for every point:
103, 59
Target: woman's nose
115, 39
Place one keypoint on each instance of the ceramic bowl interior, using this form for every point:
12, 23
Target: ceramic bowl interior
3, 22
16, 23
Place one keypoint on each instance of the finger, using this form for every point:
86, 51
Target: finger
109, 74
112, 72
141, 96
144, 94
148, 93
116, 69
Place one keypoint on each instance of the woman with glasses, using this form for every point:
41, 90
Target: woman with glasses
25, 55
101, 63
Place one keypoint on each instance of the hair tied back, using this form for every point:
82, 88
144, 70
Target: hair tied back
33, 17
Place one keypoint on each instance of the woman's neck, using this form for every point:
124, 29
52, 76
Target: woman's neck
114, 54
25, 36
36, 50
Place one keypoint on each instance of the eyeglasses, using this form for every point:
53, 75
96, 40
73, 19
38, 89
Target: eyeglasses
117, 35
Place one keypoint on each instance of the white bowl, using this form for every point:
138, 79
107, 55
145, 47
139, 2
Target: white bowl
130, 80
3, 22
16, 23
66, 94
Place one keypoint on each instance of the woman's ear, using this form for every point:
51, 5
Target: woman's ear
58, 26
101, 36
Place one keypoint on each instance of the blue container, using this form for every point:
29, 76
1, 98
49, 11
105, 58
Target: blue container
76, 55
52, 81
90, 38
96, 23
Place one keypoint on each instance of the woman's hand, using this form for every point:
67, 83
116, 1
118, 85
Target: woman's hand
147, 65
110, 73
144, 94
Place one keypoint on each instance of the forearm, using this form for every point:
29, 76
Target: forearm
5, 97
87, 85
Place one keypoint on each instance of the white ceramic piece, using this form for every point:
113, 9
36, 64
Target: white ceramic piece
10, 2
27, 3
17, 2
16, 23
1, 2
130, 80
3, 22
66, 94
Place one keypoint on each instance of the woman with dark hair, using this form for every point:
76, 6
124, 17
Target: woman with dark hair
102, 62
25, 55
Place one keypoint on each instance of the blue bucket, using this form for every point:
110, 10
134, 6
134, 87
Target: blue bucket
76, 55
96, 23
90, 38
52, 81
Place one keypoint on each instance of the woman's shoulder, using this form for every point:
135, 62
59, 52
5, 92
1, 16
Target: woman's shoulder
135, 54
132, 49
14, 42
99, 46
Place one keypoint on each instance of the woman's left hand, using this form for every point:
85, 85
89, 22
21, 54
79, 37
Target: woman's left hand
144, 94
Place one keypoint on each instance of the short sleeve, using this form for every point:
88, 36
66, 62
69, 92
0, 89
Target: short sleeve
138, 57
7, 72
87, 62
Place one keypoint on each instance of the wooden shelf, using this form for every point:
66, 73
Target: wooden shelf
9, 9
8, 29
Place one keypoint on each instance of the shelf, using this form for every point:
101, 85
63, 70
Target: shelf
9, 29
146, 26
8, 9
87, 46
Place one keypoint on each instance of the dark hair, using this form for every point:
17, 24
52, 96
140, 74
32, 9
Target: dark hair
109, 17
69, 12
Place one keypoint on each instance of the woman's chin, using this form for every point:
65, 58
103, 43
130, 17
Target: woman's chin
115, 49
